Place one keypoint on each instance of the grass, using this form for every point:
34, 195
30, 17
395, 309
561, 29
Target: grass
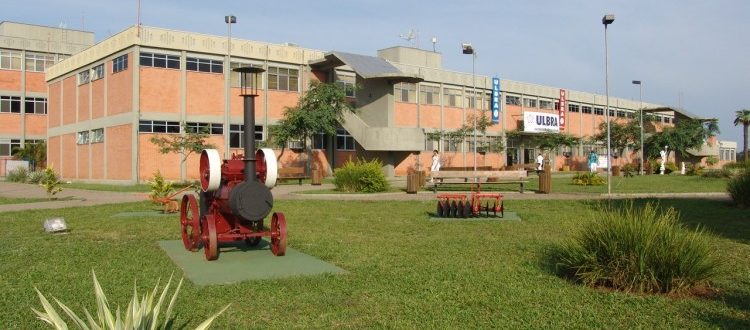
12, 200
404, 271
636, 184
110, 187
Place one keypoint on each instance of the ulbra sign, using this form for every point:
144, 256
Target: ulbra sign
538, 122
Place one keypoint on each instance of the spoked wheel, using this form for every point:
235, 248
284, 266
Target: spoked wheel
502, 210
190, 222
254, 241
453, 209
487, 209
460, 212
210, 242
467, 210
494, 209
278, 234
440, 209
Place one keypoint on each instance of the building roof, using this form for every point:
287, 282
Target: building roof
678, 111
368, 67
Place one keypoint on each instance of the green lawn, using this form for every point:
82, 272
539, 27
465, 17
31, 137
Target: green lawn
404, 271
11, 200
636, 184
109, 187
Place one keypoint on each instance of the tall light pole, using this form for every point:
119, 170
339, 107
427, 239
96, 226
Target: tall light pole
229, 19
640, 112
466, 48
607, 20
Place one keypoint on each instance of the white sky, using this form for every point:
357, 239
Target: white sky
688, 53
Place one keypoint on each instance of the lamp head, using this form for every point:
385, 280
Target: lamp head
608, 19
230, 19
467, 48
636, 82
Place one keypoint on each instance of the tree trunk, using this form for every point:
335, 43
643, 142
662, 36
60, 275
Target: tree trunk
744, 135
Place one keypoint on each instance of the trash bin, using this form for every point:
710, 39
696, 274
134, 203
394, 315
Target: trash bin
615, 170
317, 177
421, 178
545, 180
412, 183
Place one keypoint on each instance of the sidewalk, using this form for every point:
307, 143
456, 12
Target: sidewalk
82, 197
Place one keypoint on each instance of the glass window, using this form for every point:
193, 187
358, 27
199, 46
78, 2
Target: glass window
9, 146
586, 109
452, 145
283, 79
319, 141
97, 72
84, 77
120, 64
546, 104
529, 103
512, 100
203, 65
160, 60
574, 108
236, 135
10, 59
344, 141
82, 137
97, 135
39, 62
207, 128
36, 105
620, 114
158, 126
10, 104
452, 97
238, 80
347, 83
599, 112
429, 94
405, 92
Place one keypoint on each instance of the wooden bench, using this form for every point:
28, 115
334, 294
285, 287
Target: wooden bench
479, 178
292, 173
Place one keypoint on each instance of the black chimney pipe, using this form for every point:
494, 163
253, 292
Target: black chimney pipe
249, 92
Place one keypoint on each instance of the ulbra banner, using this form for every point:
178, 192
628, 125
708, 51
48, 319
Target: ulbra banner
539, 122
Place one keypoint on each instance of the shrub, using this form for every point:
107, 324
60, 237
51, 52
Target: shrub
694, 169
739, 189
51, 182
708, 173
639, 250
142, 312
712, 160
360, 176
19, 174
35, 177
734, 169
160, 188
629, 170
670, 167
588, 179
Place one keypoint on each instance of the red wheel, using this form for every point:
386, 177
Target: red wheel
190, 222
278, 234
210, 242
453, 209
467, 210
439, 208
460, 212
210, 170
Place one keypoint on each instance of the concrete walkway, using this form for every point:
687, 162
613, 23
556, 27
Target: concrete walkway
81, 197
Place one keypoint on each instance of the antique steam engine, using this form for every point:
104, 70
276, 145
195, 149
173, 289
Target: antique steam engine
236, 195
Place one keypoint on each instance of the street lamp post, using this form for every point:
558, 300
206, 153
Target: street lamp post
468, 49
640, 111
229, 19
607, 20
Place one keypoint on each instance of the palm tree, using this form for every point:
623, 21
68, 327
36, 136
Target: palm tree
743, 117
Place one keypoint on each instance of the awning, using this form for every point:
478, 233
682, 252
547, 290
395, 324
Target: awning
368, 67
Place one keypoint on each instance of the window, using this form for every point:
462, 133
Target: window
620, 113
546, 104
667, 120
429, 95
347, 83
61, 57
405, 92
36, 105
39, 62
97, 72
8, 146
10, 60
557, 105
158, 126
160, 60
207, 128
452, 97
344, 141
586, 109
513, 100
10, 104
574, 108
82, 137
470, 101
237, 135
611, 112
319, 141
599, 112
238, 78
529, 103
204, 65
97, 135
84, 77
452, 145
295, 144
120, 64
283, 79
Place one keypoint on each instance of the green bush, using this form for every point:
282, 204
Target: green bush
694, 169
160, 188
51, 182
19, 174
629, 170
670, 168
588, 179
735, 169
360, 176
708, 173
639, 250
142, 312
35, 177
739, 189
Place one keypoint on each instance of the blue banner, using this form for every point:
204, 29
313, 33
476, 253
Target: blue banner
495, 100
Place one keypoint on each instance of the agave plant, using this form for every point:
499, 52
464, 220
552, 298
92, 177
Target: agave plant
142, 312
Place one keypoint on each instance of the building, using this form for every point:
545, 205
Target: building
26, 51
108, 100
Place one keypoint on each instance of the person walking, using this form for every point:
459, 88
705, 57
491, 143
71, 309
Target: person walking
539, 163
593, 161
435, 166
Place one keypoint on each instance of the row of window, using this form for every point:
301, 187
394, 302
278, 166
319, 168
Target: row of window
92, 136
12, 104
37, 62
430, 95
459, 146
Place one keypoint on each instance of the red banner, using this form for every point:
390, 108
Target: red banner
563, 107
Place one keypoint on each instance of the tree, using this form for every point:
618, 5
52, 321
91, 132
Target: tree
686, 134
35, 153
184, 144
623, 135
743, 117
320, 110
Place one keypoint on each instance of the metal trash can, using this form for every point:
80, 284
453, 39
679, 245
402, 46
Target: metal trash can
545, 180
412, 183
317, 177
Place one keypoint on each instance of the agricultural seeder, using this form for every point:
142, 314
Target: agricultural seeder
235, 194
471, 205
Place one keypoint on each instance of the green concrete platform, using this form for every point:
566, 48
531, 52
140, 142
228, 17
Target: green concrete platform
139, 214
508, 216
238, 262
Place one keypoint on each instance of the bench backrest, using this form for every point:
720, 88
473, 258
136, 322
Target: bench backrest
291, 171
520, 174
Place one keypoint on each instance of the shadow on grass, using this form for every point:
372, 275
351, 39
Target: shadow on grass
739, 302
